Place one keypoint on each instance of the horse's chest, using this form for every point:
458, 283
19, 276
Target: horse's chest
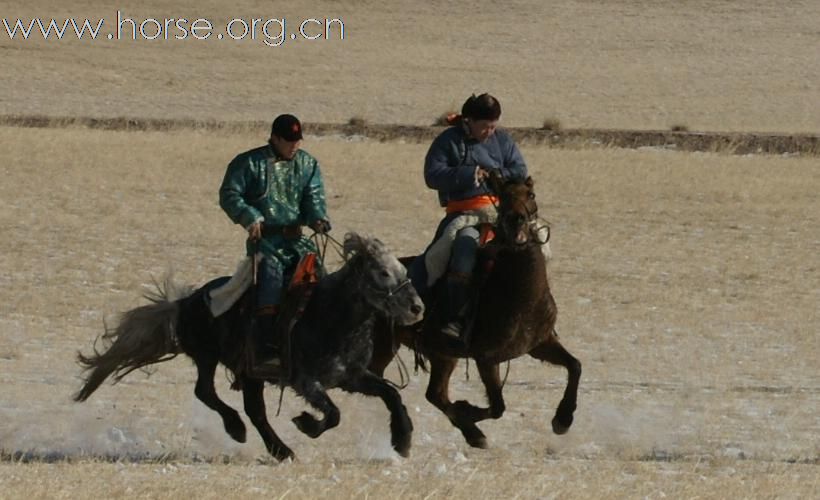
352, 355
524, 326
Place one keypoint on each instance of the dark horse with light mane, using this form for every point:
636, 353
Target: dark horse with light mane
331, 345
513, 314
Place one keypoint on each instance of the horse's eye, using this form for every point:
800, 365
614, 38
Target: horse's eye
531, 196
385, 274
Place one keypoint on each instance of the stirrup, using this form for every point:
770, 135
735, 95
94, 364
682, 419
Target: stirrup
453, 329
267, 361
270, 367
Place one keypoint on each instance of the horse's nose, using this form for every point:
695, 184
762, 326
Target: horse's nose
416, 309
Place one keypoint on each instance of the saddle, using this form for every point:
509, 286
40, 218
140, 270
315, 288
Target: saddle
304, 280
438, 253
296, 298
456, 295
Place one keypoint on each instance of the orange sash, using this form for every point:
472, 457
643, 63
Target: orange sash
473, 203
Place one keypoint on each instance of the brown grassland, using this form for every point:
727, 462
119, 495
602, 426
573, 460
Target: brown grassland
723, 66
687, 283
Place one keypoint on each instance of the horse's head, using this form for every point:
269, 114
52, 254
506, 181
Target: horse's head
517, 211
383, 281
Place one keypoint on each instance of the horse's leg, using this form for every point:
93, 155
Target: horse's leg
384, 346
254, 397
492, 384
464, 414
401, 428
315, 395
553, 352
459, 414
206, 392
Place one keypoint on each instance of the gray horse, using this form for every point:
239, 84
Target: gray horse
331, 345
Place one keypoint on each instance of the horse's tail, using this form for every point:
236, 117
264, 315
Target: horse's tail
144, 336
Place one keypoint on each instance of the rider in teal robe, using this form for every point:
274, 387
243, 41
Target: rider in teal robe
273, 191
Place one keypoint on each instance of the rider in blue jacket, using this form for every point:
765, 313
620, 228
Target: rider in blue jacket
457, 164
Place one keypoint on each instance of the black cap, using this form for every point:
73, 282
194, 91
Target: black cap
287, 127
483, 107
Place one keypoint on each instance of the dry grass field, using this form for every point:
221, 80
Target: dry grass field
687, 283
723, 66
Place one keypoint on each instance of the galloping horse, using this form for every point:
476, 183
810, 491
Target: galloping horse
331, 345
513, 314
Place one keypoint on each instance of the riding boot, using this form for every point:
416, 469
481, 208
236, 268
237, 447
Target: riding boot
267, 356
458, 298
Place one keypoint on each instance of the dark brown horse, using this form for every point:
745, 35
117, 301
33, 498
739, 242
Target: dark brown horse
513, 314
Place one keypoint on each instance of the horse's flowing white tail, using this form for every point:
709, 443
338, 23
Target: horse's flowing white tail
144, 336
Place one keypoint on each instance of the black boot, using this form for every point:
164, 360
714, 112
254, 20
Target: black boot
267, 356
458, 298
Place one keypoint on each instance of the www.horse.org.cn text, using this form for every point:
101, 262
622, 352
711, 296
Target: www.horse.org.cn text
273, 32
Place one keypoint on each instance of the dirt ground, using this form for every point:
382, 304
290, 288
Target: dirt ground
686, 284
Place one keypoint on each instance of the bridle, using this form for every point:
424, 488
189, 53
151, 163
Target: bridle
388, 292
532, 219
322, 241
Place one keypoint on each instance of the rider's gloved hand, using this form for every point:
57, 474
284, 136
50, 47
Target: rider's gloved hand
484, 173
321, 226
255, 231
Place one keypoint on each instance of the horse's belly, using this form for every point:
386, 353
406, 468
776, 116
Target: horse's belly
333, 369
513, 337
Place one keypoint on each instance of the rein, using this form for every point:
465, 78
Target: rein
322, 240
404, 373
389, 292
467, 371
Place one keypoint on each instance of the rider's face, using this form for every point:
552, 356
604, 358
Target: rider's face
481, 130
285, 149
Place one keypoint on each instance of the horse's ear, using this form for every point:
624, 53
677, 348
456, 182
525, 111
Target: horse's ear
374, 246
353, 243
495, 181
529, 182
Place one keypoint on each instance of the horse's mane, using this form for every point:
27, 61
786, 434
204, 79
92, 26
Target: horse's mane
356, 244
356, 250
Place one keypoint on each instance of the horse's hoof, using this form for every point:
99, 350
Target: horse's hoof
403, 451
402, 446
560, 427
236, 429
283, 453
476, 439
238, 433
478, 442
307, 424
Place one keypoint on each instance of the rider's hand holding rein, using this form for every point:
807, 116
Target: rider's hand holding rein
255, 231
481, 174
320, 226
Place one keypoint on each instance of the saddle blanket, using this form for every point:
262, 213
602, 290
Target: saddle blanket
438, 255
222, 298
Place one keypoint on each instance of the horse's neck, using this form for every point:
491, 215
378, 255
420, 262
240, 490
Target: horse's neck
342, 289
